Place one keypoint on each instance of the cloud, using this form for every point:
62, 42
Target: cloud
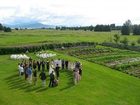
69, 12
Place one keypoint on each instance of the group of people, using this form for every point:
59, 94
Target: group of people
31, 68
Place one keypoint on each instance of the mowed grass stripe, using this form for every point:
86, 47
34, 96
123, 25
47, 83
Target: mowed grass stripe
99, 86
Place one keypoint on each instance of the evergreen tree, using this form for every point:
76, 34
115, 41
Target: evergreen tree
126, 28
136, 30
1, 27
7, 29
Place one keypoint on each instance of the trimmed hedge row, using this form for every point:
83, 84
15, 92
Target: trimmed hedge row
34, 48
121, 46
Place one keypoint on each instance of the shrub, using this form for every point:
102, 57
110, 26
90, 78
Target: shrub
116, 38
33, 48
125, 41
7, 29
121, 46
133, 43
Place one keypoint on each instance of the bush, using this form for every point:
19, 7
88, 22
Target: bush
7, 29
16, 29
125, 41
121, 46
116, 38
34, 48
133, 43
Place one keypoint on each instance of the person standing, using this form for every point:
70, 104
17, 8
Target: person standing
52, 78
34, 65
66, 64
76, 75
77, 64
43, 65
35, 76
80, 73
48, 65
21, 70
43, 78
59, 62
63, 64
29, 73
25, 71
38, 65
57, 71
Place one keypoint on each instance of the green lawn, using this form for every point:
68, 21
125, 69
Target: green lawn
26, 37
99, 86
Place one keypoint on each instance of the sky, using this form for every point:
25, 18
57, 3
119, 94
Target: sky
69, 12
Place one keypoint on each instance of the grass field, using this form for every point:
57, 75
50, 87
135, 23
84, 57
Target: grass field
25, 37
100, 85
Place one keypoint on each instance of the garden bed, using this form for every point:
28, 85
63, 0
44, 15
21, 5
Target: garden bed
123, 60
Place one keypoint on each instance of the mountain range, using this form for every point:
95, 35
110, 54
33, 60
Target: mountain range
29, 25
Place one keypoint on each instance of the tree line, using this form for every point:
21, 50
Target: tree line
97, 28
128, 28
4, 28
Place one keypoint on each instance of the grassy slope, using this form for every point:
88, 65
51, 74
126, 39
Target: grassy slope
22, 37
99, 86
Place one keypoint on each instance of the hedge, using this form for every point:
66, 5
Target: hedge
121, 46
34, 48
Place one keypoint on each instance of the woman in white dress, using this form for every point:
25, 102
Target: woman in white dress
51, 69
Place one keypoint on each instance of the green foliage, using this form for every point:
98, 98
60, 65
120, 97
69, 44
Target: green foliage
122, 60
121, 46
16, 29
125, 41
126, 28
1, 27
85, 28
136, 29
34, 48
102, 28
133, 43
138, 41
7, 29
116, 38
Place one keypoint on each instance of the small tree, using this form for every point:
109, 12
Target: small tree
133, 43
91, 28
16, 28
116, 38
125, 41
1, 27
7, 29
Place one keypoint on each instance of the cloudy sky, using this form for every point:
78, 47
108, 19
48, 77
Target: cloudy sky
69, 12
